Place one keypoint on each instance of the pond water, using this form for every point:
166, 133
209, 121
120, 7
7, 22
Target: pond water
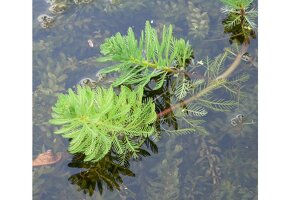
222, 164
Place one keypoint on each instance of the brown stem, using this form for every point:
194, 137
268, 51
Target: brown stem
218, 81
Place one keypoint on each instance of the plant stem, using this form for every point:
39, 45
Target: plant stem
217, 82
146, 63
235, 64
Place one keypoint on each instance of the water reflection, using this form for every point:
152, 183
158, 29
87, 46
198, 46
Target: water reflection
109, 172
105, 172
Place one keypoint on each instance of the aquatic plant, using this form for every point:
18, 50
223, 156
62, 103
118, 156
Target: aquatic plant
242, 9
49, 81
198, 22
166, 182
233, 160
205, 167
140, 61
201, 88
208, 152
170, 11
112, 7
240, 20
201, 83
98, 120
86, 19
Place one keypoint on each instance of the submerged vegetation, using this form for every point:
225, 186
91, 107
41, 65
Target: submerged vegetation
159, 83
199, 22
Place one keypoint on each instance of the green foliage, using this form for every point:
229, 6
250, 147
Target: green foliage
237, 4
211, 69
182, 88
205, 88
140, 61
203, 92
240, 19
214, 66
98, 120
83, 20
218, 104
195, 110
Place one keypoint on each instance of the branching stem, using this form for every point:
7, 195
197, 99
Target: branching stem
218, 81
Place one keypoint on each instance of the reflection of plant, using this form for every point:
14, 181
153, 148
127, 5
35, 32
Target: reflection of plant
109, 171
97, 121
139, 62
240, 19
96, 174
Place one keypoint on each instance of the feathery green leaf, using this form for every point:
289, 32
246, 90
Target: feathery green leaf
139, 62
98, 120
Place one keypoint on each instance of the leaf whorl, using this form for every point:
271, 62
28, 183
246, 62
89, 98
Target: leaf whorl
99, 120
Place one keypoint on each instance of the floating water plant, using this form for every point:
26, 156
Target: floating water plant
140, 61
240, 20
242, 10
99, 120
185, 103
215, 77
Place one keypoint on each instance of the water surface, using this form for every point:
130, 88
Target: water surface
221, 165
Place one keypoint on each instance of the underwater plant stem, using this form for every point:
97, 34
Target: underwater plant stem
218, 81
